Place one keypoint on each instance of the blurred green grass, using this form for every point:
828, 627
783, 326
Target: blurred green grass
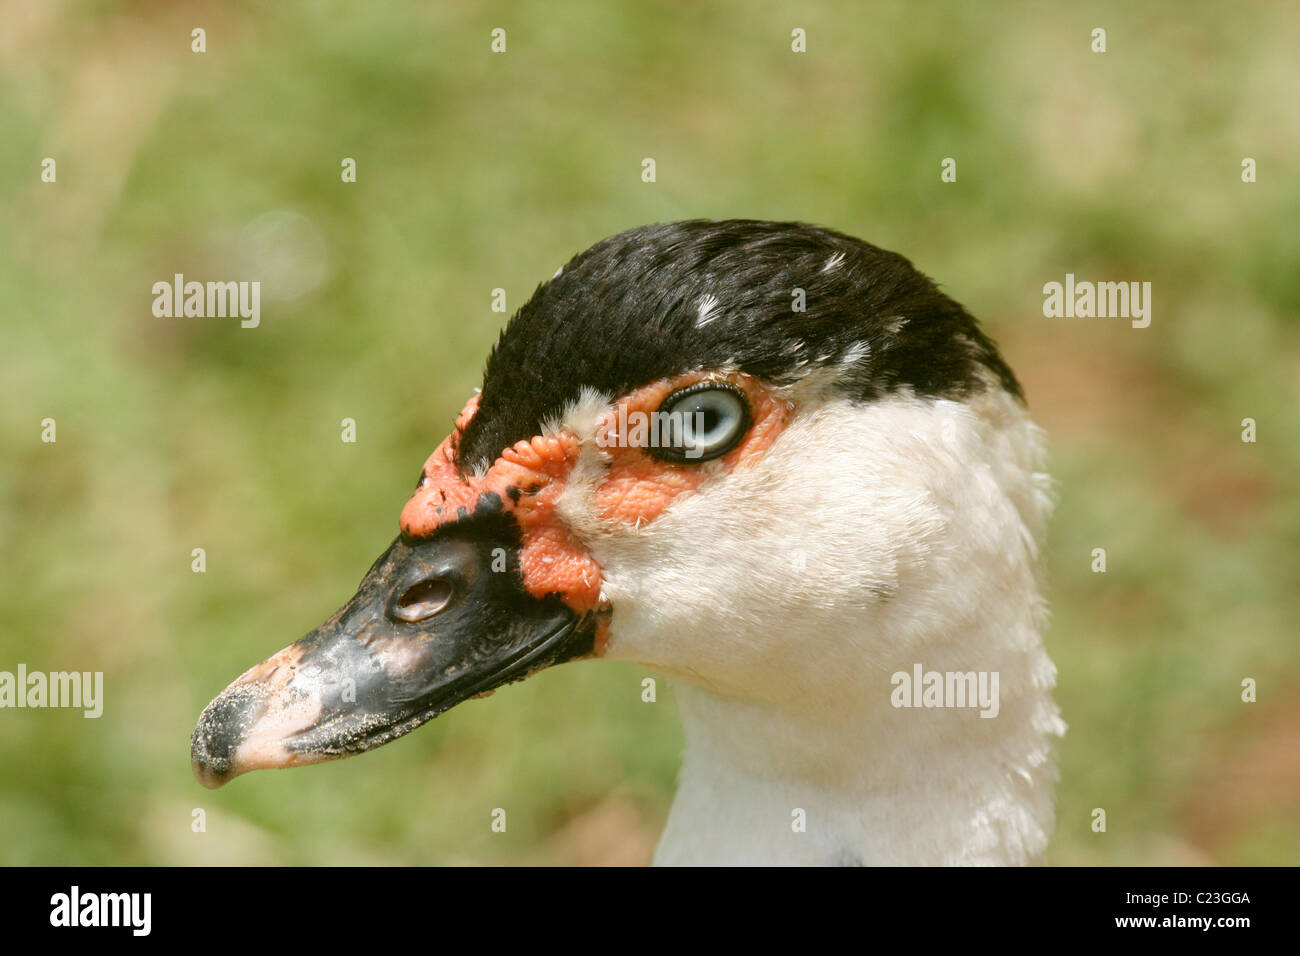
478, 171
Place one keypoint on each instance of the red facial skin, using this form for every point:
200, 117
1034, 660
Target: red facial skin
531, 475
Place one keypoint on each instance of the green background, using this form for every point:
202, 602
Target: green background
478, 171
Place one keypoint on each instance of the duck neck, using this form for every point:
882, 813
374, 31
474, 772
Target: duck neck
861, 781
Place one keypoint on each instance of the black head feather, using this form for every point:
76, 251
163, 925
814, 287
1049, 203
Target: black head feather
628, 311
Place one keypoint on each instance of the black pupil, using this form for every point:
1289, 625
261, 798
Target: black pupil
711, 419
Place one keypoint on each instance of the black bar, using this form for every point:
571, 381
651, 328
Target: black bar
334, 906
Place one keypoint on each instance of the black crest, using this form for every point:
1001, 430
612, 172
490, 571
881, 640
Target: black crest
665, 299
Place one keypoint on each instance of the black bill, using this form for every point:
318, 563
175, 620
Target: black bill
433, 623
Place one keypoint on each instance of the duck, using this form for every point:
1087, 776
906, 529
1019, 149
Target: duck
772, 463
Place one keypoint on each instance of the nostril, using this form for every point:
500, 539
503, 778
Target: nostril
423, 600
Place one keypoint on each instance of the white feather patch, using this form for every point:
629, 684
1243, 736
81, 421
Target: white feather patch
833, 262
708, 311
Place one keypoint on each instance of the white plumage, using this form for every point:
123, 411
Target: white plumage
916, 522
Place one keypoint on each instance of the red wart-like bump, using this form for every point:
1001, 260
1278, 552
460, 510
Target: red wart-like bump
526, 480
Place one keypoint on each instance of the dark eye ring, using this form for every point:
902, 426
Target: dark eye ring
700, 422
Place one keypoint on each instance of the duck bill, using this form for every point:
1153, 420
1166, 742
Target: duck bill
433, 623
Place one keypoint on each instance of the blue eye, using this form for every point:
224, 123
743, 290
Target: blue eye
702, 422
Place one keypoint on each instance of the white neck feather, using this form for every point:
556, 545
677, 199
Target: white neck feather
877, 785
782, 597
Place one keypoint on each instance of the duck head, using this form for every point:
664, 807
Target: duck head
766, 459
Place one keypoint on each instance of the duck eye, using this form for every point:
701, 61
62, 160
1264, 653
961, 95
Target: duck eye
700, 423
